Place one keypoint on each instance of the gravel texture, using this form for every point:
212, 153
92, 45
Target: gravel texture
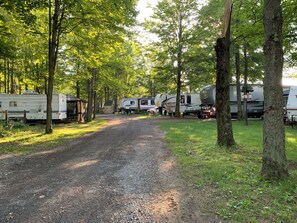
123, 173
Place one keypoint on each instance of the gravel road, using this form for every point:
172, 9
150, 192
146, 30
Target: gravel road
123, 173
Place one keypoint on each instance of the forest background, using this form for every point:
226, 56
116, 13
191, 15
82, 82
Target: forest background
106, 49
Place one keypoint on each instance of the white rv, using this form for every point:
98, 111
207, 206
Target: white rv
132, 105
292, 105
32, 106
255, 100
189, 103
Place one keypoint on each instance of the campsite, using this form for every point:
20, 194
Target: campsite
140, 111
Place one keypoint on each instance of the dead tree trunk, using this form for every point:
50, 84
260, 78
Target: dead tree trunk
224, 125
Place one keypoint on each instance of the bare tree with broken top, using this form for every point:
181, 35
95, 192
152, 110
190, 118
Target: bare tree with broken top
224, 125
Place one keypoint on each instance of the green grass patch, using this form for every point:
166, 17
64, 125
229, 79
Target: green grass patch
229, 180
25, 139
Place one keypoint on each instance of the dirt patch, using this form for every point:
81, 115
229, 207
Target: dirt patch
123, 173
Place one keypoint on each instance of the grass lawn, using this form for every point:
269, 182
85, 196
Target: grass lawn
24, 139
229, 180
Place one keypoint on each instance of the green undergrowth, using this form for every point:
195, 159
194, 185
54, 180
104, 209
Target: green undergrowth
18, 138
228, 180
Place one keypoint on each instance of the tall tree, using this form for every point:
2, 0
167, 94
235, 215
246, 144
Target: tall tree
224, 125
173, 22
274, 158
56, 17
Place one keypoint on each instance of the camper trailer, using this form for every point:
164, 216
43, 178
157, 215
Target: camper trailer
189, 103
292, 106
132, 105
108, 107
255, 99
32, 106
160, 101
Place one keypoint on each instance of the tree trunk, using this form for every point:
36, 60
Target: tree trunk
238, 85
115, 99
77, 89
245, 84
274, 158
95, 105
55, 23
8, 77
179, 65
224, 125
12, 86
178, 90
90, 97
78, 82
5, 75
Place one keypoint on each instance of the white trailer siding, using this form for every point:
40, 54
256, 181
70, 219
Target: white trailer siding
255, 100
292, 105
128, 105
34, 105
146, 103
189, 103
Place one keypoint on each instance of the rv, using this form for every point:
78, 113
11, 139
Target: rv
133, 105
292, 106
108, 107
189, 103
32, 107
255, 99
160, 101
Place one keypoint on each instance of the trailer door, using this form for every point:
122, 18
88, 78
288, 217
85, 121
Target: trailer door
189, 99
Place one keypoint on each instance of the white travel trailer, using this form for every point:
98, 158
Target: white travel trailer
255, 100
189, 103
32, 107
161, 99
132, 105
292, 105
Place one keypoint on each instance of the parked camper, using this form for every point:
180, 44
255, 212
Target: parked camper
108, 107
130, 105
292, 106
255, 99
127, 105
32, 106
189, 103
161, 99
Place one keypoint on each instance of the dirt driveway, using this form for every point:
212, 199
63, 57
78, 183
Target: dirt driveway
124, 173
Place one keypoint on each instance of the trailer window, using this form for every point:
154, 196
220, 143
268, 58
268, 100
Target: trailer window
144, 102
12, 104
132, 102
152, 102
